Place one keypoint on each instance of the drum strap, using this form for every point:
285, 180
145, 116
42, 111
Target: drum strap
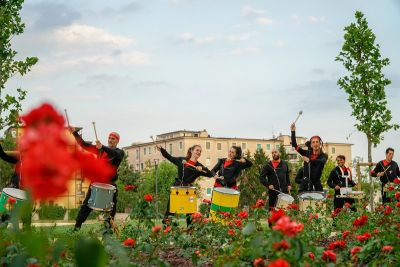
383, 167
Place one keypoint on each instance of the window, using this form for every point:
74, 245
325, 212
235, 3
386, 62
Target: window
141, 166
209, 191
137, 153
144, 151
219, 146
233, 144
208, 162
180, 145
196, 135
333, 150
137, 167
244, 146
149, 150
268, 146
208, 145
258, 146
170, 148
277, 146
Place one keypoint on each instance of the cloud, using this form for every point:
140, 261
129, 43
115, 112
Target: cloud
314, 19
279, 44
245, 51
264, 21
188, 37
318, 71
239, 38
49, 15
124, 9
251, 11
123, 59
296, 18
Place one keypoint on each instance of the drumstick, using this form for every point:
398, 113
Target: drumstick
195, 167
152, 138
298, 116
95, 132
66, 116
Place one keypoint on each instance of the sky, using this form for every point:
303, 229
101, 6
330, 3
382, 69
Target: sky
234, 68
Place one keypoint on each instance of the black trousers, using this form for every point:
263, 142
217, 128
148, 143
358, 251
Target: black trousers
338, 203
272, 198
85, 210
168, 214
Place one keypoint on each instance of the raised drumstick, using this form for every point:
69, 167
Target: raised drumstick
95, 132
298, 116
66, 116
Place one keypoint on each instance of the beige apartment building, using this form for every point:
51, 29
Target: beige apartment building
143, 155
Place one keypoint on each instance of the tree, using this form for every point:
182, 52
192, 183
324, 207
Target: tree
6, 169
10, 26
365, 84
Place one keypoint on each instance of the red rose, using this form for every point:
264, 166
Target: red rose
288, 227
206, 201
388, 210
347, 205
279, 263
259, 204
355, 250
345, 233
148, 197
311, 255
397, 195
360, 221
238, 222
259, 262
231, 232
387, 248
396, 180
129, 242
156, 229
329, 255
390, 187
243, 214
167, 230
276, 215
293, 206
398, 204
205, 220
197, 216
226, 214
129, 187
364, 236
11, 200
336, 244
281, 245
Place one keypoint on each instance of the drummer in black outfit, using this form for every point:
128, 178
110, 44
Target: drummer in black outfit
387, 170
189, 169
275, 176
13, 159
337, 179
229, 169
314, 162
114, 156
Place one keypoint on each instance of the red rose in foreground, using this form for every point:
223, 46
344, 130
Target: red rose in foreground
364, 236
337, 244
45, 114
148, 197
355, 250
129, 242
11, 200
279, 263
259, 262
311, 255
329, 255
387, 248
259, 204
288, 227
276, 215
243, 214
281, 245
360, 221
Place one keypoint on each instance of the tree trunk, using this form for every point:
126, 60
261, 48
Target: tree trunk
371, 194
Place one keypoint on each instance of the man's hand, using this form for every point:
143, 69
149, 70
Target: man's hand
337, 187
199, 168
379, 174
306, 159
289, 188
271, 187
158, 147
71, 129
242, 160
98, 144
293, 127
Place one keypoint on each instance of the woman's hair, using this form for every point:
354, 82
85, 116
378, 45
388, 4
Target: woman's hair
308, 143
341, 157
189, 152
238, 151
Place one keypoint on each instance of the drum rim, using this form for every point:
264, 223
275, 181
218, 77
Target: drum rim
286, 195
103, 186
218, 189
5, 189
308, 197
183, 187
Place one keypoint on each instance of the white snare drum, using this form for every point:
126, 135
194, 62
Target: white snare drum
311, 200
283, 201
356, 194
345, 190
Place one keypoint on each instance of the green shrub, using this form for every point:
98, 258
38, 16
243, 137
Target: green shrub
51, 212
73, 213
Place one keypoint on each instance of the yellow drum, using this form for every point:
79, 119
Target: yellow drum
223, 200
183, 200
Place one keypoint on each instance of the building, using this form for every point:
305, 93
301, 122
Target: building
143, 155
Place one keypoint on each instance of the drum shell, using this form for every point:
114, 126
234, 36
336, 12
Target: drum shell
19, 195
183, 200
283, 201
223, 200
307, 203
101, 197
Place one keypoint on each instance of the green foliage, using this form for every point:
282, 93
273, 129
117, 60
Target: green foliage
10, 26
73, 213
329, 166
250, 187
51, 212
365, 83
6, 169
126, 176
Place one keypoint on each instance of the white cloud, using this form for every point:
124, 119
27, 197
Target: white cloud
315, 19
279, 44
251, 11
245, 51
79, 34
124, 59
239, 38
296, 18
188, 37
264, 21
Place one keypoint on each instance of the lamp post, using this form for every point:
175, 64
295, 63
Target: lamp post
156, 166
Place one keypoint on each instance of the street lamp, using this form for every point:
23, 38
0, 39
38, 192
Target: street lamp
156, 166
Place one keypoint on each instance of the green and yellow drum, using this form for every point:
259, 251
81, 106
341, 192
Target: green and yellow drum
223, 200
17, 194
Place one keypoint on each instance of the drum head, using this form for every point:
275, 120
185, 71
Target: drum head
312, 195
227, 191
286, 197
14, 192
103, 186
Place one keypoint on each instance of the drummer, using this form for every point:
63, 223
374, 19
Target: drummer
13, 159
114, 156
337, 179
229, 169
387, 170
189, 169
275, 177
314, 161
